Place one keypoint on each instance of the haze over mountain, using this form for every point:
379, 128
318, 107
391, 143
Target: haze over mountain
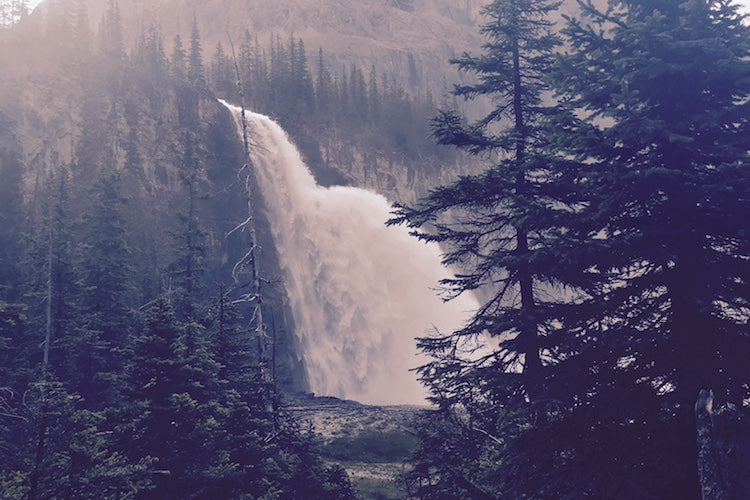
410, 39
408, 42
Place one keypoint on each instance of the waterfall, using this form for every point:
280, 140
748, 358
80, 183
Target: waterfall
360, 292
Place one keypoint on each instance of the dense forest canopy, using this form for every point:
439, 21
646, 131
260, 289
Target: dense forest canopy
607, 234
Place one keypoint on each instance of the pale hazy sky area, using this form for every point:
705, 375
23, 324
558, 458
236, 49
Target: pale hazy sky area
746, 3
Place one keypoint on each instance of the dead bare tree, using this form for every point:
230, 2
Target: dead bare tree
252, 256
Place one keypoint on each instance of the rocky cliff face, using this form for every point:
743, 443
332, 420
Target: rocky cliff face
395, 177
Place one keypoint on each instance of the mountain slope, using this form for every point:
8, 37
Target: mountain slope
411, 40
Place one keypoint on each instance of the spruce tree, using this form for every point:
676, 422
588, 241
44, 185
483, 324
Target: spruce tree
668, 178
190, 243
66, 452
662, 91
500, 230
13, 370
231, 344
373, 98
177, 61
107, 289
251, 69
499, 217
301, 84
324, 89
111, 37
11, 203
169, 409
149, 56
58, 286
82, 36
195, 72
636, 219
223, 80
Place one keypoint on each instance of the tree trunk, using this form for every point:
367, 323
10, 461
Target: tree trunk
723, 450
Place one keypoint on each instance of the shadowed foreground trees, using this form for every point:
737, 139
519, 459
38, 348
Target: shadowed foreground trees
638, 244
177, 429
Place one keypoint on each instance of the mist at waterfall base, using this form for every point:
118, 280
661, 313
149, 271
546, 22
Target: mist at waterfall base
360, 292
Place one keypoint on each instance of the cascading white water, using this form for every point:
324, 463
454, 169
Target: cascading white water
360, 291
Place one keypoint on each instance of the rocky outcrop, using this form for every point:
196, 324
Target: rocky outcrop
397, 178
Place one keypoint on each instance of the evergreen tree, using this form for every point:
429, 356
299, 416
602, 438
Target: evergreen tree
279, 78
123, 412
150, 57
59, 28
358, 93
190, 241
452, 461
168, 415
83, 38
344, 108
250, 69
223, 80
11, 204
106, 260
14, 372
188, 94
94, 142
12, 320
502, 217
506, 231
398, 116
624, 257
195, 72
324, 90
301, 78
373, 97
663, 92
210, 438
111, 37
107, 290
178, 58
232, 344
66, 454
59, 286
133, 158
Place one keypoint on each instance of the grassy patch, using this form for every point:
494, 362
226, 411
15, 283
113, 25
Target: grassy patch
372, 447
